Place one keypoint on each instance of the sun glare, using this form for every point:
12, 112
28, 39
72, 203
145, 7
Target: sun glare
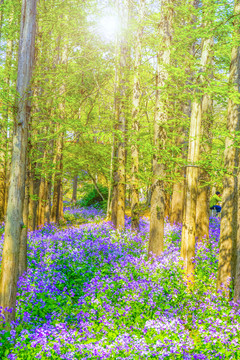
109, 27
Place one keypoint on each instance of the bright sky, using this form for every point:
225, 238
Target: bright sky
109, 26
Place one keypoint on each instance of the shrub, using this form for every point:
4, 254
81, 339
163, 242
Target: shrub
93, 198
69, 217
72, 217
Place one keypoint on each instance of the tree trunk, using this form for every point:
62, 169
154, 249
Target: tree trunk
8, 164
178, 196
95, 185
42, 202
48, 197
42, 194
121, 94
34, 184
2, 176
23, 240
167, 204
57, 205
202, 210
33, 195
228, 232
109, 203
178, 187
148, 196
74, 193
135, 126
48, 203
189, 215
237, 271
4, 130
14, 217
177, 202
160, 119
75, 178
114, 186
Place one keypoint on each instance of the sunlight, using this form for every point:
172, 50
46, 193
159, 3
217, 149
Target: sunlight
109, 26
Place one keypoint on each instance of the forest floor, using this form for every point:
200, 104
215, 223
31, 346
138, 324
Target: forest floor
90, 293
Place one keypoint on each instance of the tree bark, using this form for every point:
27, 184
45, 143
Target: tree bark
2, 174
74, 193
237, 271
42, 202
33, 195
189, 215
202, 208
121, 147
114, 186
96, 185
228, 232
157, 210
57, 205
121, 94
135, 126
109, 202
167, 204
8, 164
4, 130
14, 217
178, 196
48, 204
177, 202
23, 239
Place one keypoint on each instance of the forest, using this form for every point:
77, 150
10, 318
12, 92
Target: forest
119, 179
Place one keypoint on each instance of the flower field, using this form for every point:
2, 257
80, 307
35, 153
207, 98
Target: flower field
90, 293
80, 214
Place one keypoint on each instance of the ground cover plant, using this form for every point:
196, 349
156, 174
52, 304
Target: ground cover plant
78, 214
90, 293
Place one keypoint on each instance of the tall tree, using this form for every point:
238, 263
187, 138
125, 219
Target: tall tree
14, 217
160, 119
4, 138
178, 187
202, 207
189, 215
57, 206
237, 271
228, 232
22, 267
121, 106
135, 125
178, 193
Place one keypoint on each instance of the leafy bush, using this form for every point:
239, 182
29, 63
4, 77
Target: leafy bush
73, 217
92, 197
69, 217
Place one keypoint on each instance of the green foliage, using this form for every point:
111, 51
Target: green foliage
135, 295
73, 218
92, 197
2, 228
